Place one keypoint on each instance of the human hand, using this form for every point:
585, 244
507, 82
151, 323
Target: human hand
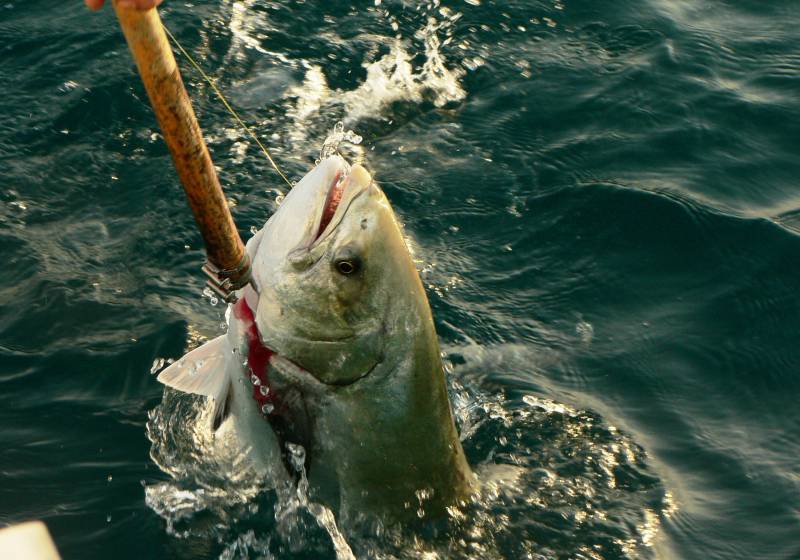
139, 4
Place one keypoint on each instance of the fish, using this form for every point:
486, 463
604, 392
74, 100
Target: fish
332, 348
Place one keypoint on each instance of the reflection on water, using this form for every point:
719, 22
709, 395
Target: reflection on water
554, 481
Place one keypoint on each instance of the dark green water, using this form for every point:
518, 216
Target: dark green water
603, 198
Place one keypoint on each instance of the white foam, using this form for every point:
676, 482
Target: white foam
392, 78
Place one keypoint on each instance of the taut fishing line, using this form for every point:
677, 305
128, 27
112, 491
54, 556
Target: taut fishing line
227, 105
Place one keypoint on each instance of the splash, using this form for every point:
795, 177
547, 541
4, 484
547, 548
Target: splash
209, 473
550, 472
294, 499
393, 78
213, 491
390, 79
399, 71
337, 137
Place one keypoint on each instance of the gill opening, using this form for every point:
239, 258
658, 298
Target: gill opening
210, 81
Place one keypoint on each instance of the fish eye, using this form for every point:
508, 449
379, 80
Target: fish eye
348, 266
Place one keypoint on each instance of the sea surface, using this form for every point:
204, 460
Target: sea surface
603, 199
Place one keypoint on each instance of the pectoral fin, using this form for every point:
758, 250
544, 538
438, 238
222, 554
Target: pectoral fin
202, 372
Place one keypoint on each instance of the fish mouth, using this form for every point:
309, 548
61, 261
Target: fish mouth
346, 186
332, 200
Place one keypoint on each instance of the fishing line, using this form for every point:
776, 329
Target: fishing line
227, 105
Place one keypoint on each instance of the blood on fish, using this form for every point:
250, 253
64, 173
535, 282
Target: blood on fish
258, 356
286, 427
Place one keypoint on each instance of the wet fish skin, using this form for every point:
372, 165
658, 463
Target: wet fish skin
357, 359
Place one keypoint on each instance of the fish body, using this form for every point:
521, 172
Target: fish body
333, 347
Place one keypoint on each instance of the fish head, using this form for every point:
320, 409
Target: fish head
334, 276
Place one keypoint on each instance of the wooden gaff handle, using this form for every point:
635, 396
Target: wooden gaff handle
162, 80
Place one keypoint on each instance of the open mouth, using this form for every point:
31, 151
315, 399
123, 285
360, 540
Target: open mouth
331, 202
347, 185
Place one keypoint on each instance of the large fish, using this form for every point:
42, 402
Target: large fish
333, 347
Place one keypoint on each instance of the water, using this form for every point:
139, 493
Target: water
602, 199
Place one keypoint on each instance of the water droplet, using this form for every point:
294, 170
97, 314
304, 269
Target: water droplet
253, 230
108, 518
158, 363
264, 390
267, 408
255, 380
337, 136
420, 513
212, 297
297, 456
109, 478
352, 137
